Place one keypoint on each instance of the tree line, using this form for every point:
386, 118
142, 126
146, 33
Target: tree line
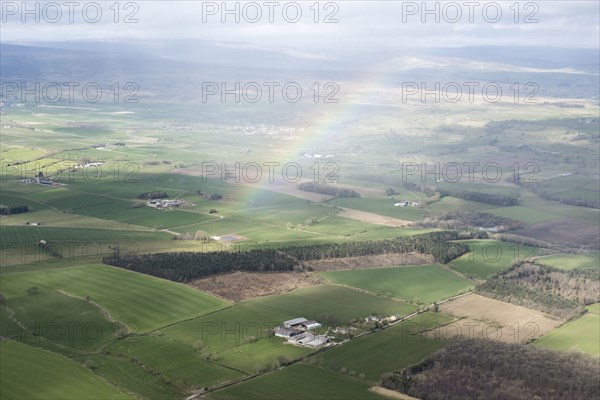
13, 210
437, 244
327, 189
489, 370
187, 266
152, 195
488, 198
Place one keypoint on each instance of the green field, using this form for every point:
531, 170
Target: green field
232, 331
91, 244
572, 261
33, 234
178, 363
418, 284
449, 203
141, 302
581, 334
299, 381
259, 355
29, 374
388, 350
58, 322
534, 210
384, 206
131, 376
487, 257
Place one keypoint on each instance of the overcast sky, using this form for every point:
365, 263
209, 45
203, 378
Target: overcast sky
372, 25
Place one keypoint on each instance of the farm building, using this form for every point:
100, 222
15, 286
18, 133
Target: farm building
374, 318
296, 331
308, 325
294, 322
394, 318
163, 204
287, 333
43, 181
308, 339
406, 203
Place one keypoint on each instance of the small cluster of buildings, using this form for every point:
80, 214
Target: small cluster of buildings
89, 164
164, 204
40, 181
406, 203
298, 331
317, 155
377, 318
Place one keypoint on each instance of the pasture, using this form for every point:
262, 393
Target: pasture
131, 377
140, 301
180, 364
59, 323
381, 206
449, 203
66, 244
29, 373
416, 284
301, 381
581, 334
572, 261
388, 350
535, 210
487, 257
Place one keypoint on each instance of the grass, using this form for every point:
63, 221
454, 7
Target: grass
300, 381
132, 377
29, 373
58, 322
425, 283
340, 226
581, 334
383, 206
140, 301
33, 234
487, 257
177, 363
572, 261
449, 203
239, 333
534, 210
527, 214
251, 357
41, 265
57, 219
388, 350
21, 243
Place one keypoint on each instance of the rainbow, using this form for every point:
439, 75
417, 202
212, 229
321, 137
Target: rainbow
332, 119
